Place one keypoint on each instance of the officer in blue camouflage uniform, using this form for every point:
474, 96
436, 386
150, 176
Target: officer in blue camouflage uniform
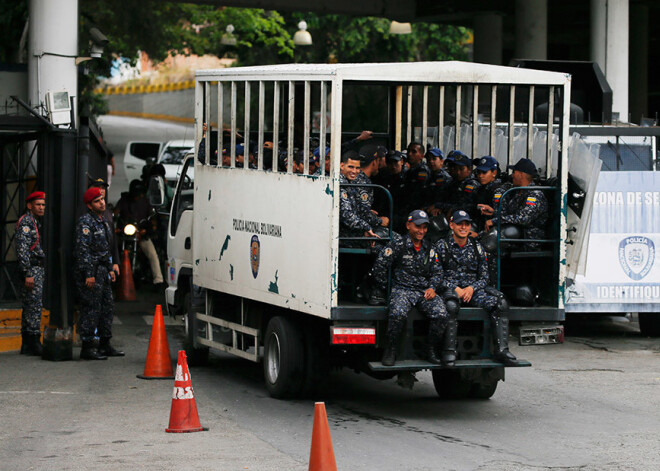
369, 167
416, 274
525, 208
460, 192
393, 179
352, 222
439, 176
465, 281
416, 178
486, 169
93, 273
31, 259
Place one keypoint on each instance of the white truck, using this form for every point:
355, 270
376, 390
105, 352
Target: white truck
262, 243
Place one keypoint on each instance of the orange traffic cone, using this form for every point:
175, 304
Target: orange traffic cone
159, 362
126, 290
183, 415
321, 457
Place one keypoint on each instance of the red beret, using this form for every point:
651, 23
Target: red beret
37, 195
91, 194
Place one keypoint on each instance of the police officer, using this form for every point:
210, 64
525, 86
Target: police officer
416, 178
526, 208
416, 274
486, 171
393, 179
352, 222
465, 281
369, 167
31, 259
459, 193
93, 273
435, 159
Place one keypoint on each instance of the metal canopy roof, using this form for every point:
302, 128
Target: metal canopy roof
448, 72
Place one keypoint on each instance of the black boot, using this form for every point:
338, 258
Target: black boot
500, 329
394, 329
35, 342
89, 352
436, 330
449, 343
106, 349
31, 345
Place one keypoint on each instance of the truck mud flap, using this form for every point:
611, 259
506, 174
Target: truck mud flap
417, 365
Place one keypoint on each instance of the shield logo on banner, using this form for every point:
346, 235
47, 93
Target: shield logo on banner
254, 255
636, 256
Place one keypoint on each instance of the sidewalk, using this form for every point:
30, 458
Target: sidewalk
98, 415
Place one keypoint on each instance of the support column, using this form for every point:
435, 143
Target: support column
531, 29
639, 62
488, 38
53, 47
609, 48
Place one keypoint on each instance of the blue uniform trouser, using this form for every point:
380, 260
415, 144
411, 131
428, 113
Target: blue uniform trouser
32, 300
486, 301
96, 307
403, 300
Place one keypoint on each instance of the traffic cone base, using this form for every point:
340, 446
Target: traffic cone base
183, 415
321, 455
159, 363
126, 290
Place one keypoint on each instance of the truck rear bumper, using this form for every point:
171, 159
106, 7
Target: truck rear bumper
417, 365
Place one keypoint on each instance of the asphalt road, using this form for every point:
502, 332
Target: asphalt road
589, 404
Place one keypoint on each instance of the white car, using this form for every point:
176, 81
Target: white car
170, 154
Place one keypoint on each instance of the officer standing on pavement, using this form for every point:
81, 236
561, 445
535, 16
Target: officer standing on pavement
31, 259
465, 281
526, 208
416, 274
93, 274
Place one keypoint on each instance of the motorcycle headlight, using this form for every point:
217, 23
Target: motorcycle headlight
130, 229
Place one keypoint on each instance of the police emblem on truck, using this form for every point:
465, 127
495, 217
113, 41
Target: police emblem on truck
636, 256
254, 255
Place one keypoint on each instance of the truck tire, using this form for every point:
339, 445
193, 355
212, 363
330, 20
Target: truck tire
283, 362
483, 390
649, 324
450, 385
197, 356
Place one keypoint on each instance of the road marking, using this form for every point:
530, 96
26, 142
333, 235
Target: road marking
37, 392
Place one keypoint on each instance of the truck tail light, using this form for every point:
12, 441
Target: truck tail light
354, 335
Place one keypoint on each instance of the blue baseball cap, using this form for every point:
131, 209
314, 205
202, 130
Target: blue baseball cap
317, 152
459, 158
418, 217
525, 166
486, 163
460, 216
395, 155
434, 151
240, 149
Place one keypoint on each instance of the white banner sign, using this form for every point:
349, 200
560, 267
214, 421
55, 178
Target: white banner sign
623, 271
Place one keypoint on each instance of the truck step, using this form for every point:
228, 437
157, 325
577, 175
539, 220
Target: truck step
415, 365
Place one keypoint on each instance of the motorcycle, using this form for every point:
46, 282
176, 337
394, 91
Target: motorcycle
130, 233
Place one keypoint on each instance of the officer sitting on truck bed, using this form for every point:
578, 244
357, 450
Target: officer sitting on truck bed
526, 208
416, 274
465, 280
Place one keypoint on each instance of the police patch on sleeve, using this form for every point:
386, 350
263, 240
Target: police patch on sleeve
531, 201
364, 197
344, 194
85, 231
26, 229
388, 252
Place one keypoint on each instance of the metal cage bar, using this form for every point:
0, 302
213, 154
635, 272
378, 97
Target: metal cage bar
276, 125
425, 108
207, 121
232, 150
512, 116
322, 128
457, 133
493, 119
409, 116
307, 118
441, 117
260, 132
246, 130
292, 110
530, 123
220, 123
475, 120
551, 118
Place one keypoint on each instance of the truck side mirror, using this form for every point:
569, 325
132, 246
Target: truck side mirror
157, 191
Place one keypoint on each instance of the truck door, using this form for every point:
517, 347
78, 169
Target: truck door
179, 238
583, 170
136, 155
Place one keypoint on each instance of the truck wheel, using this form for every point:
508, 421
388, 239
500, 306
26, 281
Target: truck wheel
449, 384
284, 362
483, 390
649, 324
197, 356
